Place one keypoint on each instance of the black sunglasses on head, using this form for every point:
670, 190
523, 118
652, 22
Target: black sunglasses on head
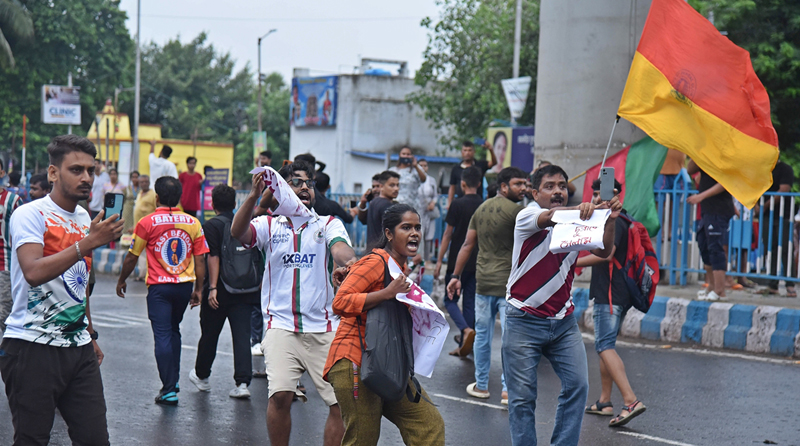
297, 182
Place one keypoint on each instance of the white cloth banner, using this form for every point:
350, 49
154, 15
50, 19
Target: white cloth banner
430, 326
516, 91
288, 203
573, 234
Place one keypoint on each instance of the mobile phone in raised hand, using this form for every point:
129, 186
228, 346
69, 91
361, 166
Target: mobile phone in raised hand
607, 183
113, 205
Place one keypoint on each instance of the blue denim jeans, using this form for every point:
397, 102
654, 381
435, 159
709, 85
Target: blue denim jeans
525, 340
166, 304
606, 325
486, 309
463, 318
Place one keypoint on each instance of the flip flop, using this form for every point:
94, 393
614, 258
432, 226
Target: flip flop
737, 286
633, 412
598, 409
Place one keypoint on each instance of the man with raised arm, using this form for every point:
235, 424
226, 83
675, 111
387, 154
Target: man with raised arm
539, 319
49, 357
296, 294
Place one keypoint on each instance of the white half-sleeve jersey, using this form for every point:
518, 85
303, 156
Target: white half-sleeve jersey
297, 290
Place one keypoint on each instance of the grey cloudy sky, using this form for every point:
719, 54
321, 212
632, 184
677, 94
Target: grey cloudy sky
322, 35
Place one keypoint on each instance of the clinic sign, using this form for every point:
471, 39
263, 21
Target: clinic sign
61, 105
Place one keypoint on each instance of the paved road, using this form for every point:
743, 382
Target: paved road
692, 398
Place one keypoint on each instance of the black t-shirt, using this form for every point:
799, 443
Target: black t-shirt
213, 230
781, 174
455, 177
325, 206
720, 204
458, 217
375, 219
598, 287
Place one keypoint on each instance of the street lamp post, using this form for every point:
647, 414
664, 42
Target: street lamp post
259, 75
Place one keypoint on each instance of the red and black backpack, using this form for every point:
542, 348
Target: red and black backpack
640, 269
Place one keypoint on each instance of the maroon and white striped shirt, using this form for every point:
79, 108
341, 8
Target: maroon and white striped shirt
9, 201
540, 282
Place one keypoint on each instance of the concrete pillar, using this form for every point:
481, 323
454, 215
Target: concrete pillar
585, 51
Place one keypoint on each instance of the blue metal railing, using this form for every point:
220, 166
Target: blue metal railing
752, 241
761, 242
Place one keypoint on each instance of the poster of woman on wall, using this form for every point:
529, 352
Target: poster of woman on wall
500, 140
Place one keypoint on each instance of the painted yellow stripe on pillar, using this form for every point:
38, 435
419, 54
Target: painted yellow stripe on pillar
741, 163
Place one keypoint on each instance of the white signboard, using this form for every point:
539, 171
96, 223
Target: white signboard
573, 234
516, 90
61, 105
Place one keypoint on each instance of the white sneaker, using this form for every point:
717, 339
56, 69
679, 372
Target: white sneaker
256, 350
241, 391
202, 384
712, 296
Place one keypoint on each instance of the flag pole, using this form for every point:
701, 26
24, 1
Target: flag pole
610, 137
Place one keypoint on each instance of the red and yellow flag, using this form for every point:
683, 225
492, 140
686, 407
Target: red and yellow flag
692, 89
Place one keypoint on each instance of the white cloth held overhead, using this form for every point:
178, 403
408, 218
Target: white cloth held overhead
573, 234
289, 204
430, 328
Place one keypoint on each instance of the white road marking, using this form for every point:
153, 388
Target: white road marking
114, 295
464, 400
658, 439
192, 347
120, 318
706, 352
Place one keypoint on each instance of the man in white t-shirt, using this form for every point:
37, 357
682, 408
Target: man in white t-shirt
296, 296
49, 357
161, 166
98, 183
539, 318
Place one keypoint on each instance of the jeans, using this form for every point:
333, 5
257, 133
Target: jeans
211, 323
486, 308
166, 304
525, 340
606, 325
463, 318
256, 325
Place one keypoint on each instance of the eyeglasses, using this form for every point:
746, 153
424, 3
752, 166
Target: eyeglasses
297, 182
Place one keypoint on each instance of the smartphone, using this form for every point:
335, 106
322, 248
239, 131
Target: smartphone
353, 203
405, 160
607, 183
369, 196
479, 141
113, 205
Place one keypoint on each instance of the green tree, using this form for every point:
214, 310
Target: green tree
770, 31
192, 89
15, 20
470, 50
85, 37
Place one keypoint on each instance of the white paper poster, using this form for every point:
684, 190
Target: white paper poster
430, 326
288, 203
573, 234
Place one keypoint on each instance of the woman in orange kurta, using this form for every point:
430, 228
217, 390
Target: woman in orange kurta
363, 289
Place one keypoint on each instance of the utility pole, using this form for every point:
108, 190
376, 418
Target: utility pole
69, 84
137, 87
259, 75
517, 38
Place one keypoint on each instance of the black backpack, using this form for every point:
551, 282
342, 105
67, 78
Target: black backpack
240, 269
387, 362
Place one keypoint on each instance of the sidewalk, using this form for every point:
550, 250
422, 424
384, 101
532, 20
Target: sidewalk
742, 321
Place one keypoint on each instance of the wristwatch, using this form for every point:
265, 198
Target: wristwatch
94, 335
455, 276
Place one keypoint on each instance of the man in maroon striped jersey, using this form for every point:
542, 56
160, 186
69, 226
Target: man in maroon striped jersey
539, 319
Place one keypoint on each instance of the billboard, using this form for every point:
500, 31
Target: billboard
61, 105
313, 101
512, 147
